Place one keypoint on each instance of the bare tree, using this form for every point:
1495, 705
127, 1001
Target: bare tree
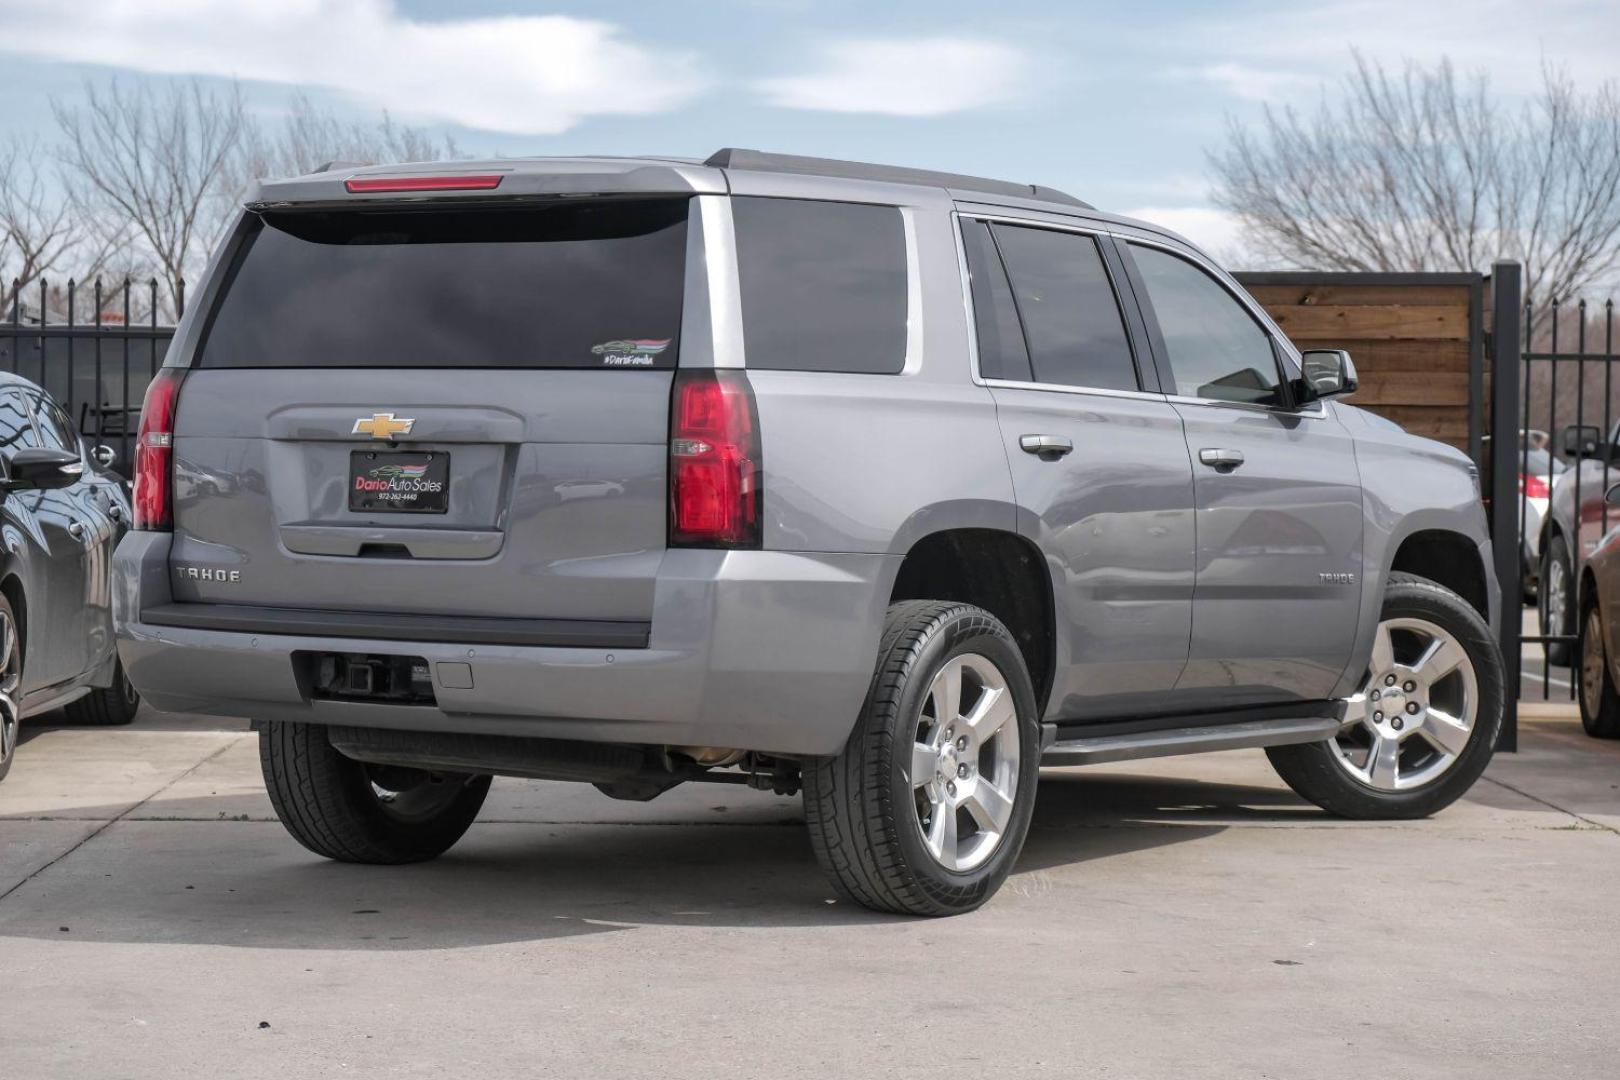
37, 229
152, 162
1423, 170
310, 137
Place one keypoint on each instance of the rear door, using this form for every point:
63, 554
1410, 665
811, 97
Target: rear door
1098, 462
47, 523
1278, 589
433, 410
82, 605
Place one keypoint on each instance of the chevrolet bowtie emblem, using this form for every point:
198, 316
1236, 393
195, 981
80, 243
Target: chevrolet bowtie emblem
382, 425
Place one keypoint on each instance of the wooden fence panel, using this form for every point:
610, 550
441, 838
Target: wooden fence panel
1417, 341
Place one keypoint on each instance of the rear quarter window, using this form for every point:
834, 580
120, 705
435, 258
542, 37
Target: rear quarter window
594, 284
823, 285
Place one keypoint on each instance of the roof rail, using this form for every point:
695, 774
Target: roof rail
757, 161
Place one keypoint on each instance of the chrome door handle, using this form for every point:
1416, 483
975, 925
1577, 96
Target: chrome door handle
76, 530
1047, 447
1220, 459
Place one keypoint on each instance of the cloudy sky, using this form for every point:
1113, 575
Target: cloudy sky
1115, 102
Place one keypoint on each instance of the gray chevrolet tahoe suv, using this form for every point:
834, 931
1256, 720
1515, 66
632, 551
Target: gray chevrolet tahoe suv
884, 485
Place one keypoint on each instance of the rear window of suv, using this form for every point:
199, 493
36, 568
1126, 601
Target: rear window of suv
823, 285
571, 285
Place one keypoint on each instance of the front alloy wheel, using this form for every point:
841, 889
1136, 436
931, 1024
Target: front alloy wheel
1423, 725
1413, 717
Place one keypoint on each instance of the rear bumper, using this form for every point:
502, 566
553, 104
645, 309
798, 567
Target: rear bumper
755, 650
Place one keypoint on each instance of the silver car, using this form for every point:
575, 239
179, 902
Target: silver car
882, 485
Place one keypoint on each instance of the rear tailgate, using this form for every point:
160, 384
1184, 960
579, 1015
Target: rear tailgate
435, 412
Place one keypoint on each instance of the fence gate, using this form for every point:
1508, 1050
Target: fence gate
98, 366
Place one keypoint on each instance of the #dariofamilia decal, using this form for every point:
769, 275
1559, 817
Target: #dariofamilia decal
630, 352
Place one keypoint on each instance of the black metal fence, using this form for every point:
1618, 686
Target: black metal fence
1566, 461
93, 348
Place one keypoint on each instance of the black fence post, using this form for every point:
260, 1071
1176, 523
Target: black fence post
1505, 390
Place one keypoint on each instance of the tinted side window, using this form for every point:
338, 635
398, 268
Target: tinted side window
15, 430
1002, 353
54, 426
1070, 314
1216, 349
823, 285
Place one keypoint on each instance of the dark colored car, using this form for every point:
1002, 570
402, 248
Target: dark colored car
1599, 605
62, 513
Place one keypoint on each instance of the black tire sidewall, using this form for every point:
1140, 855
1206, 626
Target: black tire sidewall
1605, 724
965, 630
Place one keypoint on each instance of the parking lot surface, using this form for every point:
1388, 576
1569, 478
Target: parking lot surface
1176, 918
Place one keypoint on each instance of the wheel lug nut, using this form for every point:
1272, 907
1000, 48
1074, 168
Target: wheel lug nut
1389, 680
1376, 695
1397, 723
962, 771
1412, 707
961, 744
950, 788
1378, 716
1410, 686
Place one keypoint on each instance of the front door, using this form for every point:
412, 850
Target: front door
1278, 496
1098, 464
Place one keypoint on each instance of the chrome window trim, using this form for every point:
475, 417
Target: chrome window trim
1063, 388
914, 298
718, 233
957, 217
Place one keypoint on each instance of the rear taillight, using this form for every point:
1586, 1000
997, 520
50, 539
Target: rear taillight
154, 452
1533, 486
714, 461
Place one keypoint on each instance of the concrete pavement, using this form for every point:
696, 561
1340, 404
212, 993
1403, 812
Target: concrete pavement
1180, 918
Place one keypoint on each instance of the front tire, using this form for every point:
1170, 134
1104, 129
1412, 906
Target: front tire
355, 812
1600, 701
1425, 722
925, 809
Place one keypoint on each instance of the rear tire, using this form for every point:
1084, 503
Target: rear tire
898, 821
354, 812
1556, 598
107, 706
1600, 701
1442, 733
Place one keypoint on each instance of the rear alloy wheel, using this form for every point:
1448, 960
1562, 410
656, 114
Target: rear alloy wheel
1600, 701
10, 678
1425, 721
925, 809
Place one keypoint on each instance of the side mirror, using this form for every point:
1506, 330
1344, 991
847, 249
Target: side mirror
42, 469
1326, 373
105, 456
1581, 441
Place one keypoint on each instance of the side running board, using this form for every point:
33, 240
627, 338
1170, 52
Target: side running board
1071, 749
